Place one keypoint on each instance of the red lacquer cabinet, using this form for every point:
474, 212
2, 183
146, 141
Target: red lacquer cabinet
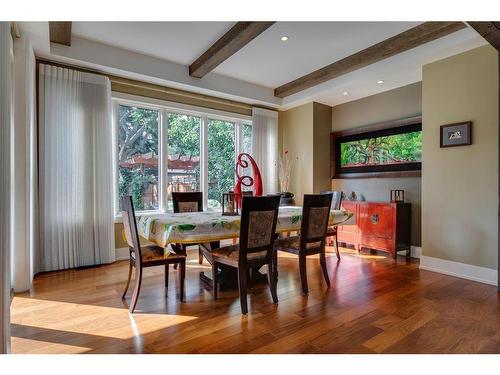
379, 226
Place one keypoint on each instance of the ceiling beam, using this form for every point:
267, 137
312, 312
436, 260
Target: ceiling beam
402, 42
231, 42
60, 32
489, 31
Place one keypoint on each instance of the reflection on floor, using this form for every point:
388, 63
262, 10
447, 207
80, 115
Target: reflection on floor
375, 305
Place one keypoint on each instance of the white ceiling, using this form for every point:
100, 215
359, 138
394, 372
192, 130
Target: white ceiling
268, 61
161, 52
180, 42
396, 71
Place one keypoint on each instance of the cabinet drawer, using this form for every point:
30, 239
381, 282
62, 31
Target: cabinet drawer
376, 220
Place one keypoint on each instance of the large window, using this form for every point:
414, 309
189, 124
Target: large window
160, 150
138, 173
183, 154
221, 160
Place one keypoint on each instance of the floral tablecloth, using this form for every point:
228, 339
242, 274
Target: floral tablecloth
207, 226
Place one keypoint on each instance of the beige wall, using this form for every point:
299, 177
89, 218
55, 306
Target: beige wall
460, 184
390, 105
305, 132
297, 126
321, 147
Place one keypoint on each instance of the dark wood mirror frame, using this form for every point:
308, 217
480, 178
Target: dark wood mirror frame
375, 130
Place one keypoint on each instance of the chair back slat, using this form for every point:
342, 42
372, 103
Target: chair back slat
187, 201
315, 217
130, 227
259, 216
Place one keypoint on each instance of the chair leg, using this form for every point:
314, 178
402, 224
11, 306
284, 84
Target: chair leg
322, 261
303, 273
166, 275
275, 265
182, 278
271, 279
128, 280
200, 256
337, 248
214, 279
179, 250
242, 286
137, 289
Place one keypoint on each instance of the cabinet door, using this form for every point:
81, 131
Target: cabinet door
376, 220
350, 206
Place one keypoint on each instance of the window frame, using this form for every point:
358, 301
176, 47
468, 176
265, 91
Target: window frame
164, 108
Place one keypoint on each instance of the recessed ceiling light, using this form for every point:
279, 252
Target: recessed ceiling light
380, 81
284, 38
345, 93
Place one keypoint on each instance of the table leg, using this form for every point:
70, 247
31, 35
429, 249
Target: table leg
228, 276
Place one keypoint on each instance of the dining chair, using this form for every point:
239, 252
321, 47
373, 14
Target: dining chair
312, 237
332, 231
259, 216
244, 193
146, 256
187, 202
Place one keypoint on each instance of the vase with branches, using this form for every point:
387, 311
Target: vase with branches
284, 171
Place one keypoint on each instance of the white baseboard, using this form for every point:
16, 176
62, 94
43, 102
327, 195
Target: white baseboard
416, 251
122, 253
462, 270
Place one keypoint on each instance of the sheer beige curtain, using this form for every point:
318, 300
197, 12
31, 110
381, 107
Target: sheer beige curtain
75, 175
265, 147
5, 171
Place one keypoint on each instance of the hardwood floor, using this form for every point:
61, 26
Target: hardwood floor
374, 306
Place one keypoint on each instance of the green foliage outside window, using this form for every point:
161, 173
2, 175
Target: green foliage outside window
137, 135
221, 160
183, 135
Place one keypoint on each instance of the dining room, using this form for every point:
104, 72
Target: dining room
250, 187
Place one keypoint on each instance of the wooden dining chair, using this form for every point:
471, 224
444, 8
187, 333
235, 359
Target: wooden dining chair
187, 202
259, 216
312, 238
331, 233
146, 256
245, 193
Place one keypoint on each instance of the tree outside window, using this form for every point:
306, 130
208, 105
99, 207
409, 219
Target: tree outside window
221, 160
138, 156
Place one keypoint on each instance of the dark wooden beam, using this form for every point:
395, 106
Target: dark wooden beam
60, 32
412, 38
231, 42
489, 31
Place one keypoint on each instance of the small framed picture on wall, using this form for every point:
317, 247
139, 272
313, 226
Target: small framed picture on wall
459, 134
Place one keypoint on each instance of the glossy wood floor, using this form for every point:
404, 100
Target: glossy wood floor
374, 306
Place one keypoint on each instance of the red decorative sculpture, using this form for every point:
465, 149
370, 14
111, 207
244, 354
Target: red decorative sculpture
245, 180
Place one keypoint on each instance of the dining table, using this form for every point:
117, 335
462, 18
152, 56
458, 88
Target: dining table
210, 227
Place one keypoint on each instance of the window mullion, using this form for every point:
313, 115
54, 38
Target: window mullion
204, 159
164, 160
116, 114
